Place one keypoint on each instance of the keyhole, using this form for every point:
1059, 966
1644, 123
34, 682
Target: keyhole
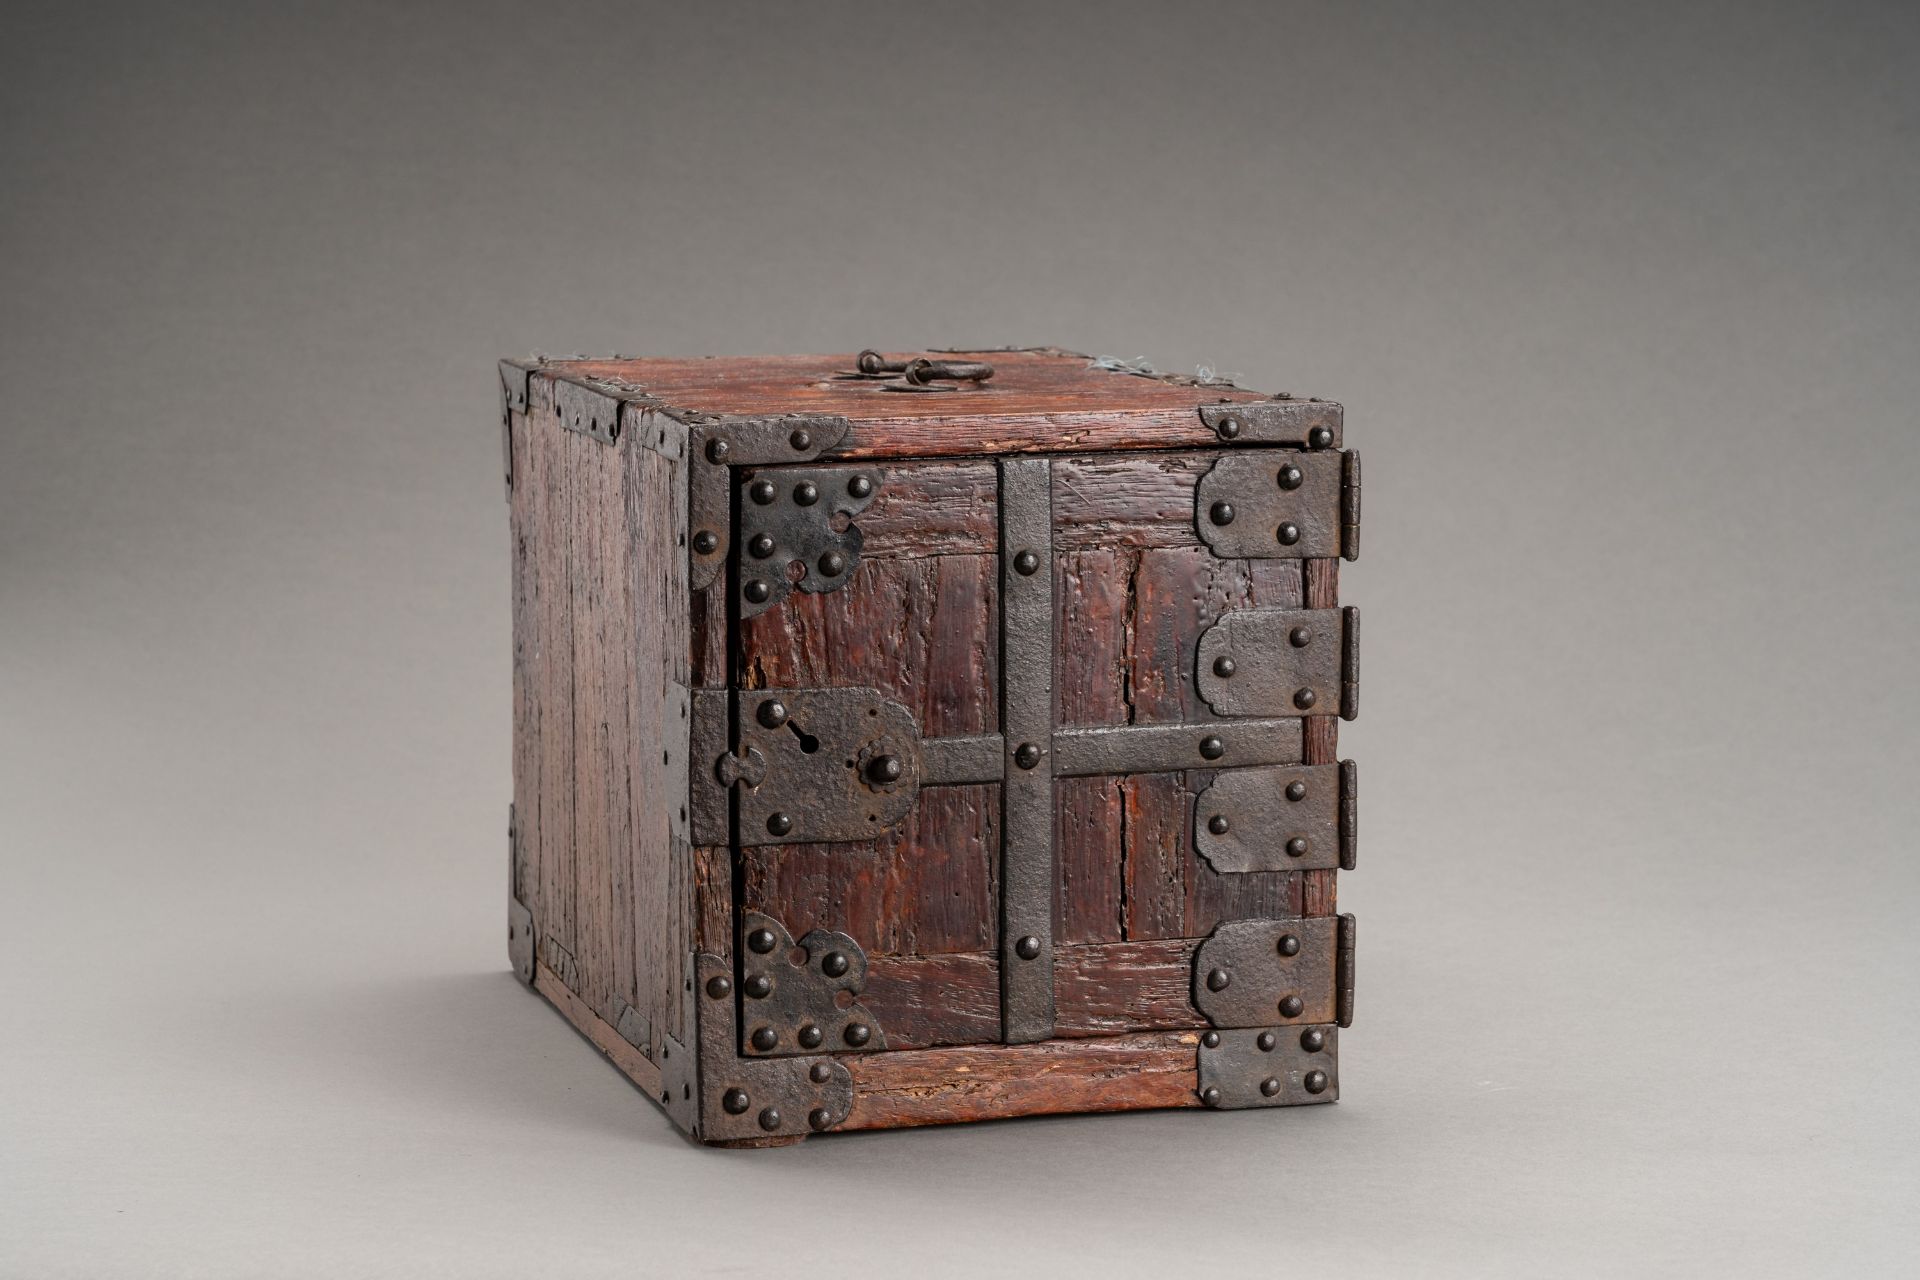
808, 743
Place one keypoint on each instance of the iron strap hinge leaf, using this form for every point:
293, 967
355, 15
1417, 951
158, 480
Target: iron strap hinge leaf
1280, 504
1271, 662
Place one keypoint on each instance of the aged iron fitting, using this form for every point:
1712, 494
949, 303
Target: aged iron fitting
917, 373
715, 445
1281, 662
1277, 819
1313, 424
796, 530
1278, 504
1252, 973
1272, 1067
790, 992
815, 765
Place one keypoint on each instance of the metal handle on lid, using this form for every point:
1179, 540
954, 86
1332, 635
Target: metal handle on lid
920, 371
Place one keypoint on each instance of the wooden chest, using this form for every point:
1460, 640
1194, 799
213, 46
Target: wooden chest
907, 739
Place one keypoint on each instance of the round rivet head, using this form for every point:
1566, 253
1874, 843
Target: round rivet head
1296, 790
717, 450
834, 965
800, 440
705, 542
1288, 534
819, 1118
759, 986
1210, 1096
1027, 948
1230, 428
833, 564
1316, 1082
760, 941
857, 1034
1297, 847
1291, 1006
772, 713
819, 1073
1265, 1040
1299, 637
1217, 979
1289, 945
1290, 477
1313, 1040
1218, 824
770, 1119
1269, 1087
757, 591
1320, 437
806, 493
1026, 563
779, 824
761, 491
1303, 698
1221, 513
1026, 755
1224, 667
1212, 748
885, 769
720, 987
1211, 1039
810, 1037
764, 1039
735, 1101
761, 546
860, 486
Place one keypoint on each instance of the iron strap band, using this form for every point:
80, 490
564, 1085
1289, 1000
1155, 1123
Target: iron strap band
1026, 757
1124, 748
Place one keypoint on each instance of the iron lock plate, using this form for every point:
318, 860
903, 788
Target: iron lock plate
1279, 662
1280, 504
1262, 973
1269, 1067
821, 764
1290, 818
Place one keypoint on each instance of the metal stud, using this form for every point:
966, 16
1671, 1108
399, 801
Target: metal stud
735, 1101
819, 1118
705, 542
1303, 699
857, 1034
1210, 1096
1217, 979
757, 591
759, 986
1316, 1082
1288, 534
761, 491
764, 1039
1218, 824
1269, 1087
1221, 513
1027, 948
834, 965
1291, 1006
1229, 428
772, 713
810, 1037
1290, 477
1289, 945
1265, 1040
1026, 755
1297, 847
1313, 1039
1224, 667
833, 564
801, 441
806, 493
1212, 748
819, 1073
717, 450
1320, 437
779, 824
1211, 1039
720, 986
885, 769
770, 1119
860, 486
1026, 563
761, 941
1299, 637
1296, 790
761, 546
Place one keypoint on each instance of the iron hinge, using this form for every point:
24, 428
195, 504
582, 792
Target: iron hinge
1289, 818
1274, 662
1257, 973
1274, 504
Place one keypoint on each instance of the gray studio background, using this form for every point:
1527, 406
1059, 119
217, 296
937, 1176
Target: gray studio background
1622, 303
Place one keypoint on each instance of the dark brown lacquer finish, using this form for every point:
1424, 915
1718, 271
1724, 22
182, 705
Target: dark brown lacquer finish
908, 737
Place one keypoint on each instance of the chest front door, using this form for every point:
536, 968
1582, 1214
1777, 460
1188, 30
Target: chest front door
1037, 747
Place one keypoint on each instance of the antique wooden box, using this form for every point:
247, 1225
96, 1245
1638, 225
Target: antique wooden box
912, 738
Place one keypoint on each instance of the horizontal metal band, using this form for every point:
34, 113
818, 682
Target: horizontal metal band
1121, 748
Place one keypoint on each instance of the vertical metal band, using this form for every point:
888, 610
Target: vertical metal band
1026, 720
